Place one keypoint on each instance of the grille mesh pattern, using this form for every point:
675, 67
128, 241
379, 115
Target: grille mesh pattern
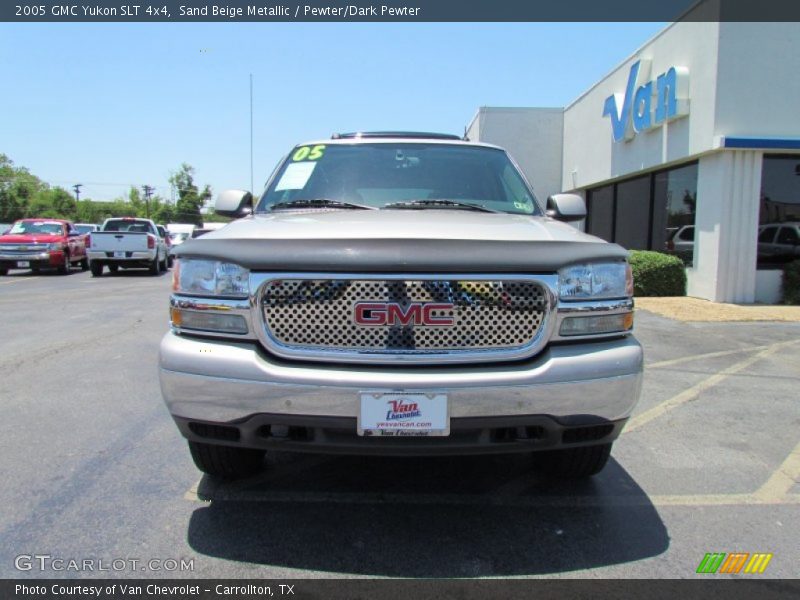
318, 314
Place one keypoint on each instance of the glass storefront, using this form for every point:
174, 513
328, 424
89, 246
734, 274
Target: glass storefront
650, 212
779, 214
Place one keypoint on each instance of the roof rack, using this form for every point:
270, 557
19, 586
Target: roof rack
395, 134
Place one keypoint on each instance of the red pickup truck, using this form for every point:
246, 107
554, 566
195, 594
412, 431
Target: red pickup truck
42, 243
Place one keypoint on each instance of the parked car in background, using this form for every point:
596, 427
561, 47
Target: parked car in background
779, 242
680, 242
127, 243
42, 244
176, 238
87, 227
162, 231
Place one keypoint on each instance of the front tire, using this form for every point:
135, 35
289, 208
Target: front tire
64, 269
96, 268
85, 264
226, 462
574, 463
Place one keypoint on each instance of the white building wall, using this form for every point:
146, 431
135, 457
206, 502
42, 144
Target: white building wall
726, 227
532, 136
590, 153
758, 87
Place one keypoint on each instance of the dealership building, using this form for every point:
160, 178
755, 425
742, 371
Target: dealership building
690, 145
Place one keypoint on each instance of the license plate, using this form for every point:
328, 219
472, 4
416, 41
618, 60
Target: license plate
23, 264
119, 255
403, 414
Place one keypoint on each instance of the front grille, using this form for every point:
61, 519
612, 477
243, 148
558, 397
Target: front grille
485, 315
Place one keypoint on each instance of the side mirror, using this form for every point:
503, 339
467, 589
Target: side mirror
234, 203
566, 207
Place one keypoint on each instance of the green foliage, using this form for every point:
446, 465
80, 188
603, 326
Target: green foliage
791, 283
657, 274
190, 199
25, 195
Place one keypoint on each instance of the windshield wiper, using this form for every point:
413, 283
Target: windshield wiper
434, 203
320, 203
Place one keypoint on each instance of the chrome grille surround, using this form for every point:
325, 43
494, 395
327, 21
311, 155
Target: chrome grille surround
310, 316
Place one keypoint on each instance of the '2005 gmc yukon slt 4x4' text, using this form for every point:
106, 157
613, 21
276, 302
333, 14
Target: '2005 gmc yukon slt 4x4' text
398, 294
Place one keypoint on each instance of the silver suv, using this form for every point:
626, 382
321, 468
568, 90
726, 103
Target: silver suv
400, 293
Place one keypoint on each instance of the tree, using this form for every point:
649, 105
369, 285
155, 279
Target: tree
190, 199
17, 188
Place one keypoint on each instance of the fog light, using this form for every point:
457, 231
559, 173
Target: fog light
596, 324
208, 321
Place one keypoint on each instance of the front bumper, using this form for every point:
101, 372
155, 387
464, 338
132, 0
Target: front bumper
34, 259
211, 382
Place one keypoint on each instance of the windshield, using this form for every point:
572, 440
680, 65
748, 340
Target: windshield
42, 227
378, 174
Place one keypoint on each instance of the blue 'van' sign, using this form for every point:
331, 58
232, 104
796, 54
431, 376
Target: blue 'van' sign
634, 112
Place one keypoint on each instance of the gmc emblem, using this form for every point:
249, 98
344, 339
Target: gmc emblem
392, 313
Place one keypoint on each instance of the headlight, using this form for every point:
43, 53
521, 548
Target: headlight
210, 278
595, 281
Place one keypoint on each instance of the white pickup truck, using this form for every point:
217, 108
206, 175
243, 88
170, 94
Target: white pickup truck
400, 293
128, 243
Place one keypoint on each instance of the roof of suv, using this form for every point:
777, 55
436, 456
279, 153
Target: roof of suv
403, 137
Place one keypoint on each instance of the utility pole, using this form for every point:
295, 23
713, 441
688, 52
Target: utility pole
252, 191
148, 192
77, 187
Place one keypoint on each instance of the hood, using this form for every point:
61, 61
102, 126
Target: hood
429, 224
429, 241
30, 238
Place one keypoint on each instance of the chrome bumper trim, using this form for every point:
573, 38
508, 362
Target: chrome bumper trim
219, 382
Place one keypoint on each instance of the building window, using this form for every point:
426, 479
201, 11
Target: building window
675, 202
632, 214
779, 214
650, 212
601, 212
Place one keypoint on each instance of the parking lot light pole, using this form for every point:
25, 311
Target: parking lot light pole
77, 187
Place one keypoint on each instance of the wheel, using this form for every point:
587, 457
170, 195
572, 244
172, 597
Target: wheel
64, 269
155, 267
113, 268
165, 264
96, 268
225, 461
84, 264
574, 463
170, 261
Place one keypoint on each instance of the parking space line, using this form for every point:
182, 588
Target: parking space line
777, 487
697, 389
492, 499
20, 279
694, 357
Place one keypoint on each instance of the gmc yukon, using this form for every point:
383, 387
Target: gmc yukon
398, 294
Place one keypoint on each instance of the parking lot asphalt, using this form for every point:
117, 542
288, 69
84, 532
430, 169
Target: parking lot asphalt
95, 468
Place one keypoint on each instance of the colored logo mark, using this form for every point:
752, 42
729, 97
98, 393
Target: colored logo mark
734, 563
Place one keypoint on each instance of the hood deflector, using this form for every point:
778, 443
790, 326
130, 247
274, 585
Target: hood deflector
400, 255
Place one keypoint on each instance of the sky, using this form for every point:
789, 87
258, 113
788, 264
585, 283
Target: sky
111, 105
